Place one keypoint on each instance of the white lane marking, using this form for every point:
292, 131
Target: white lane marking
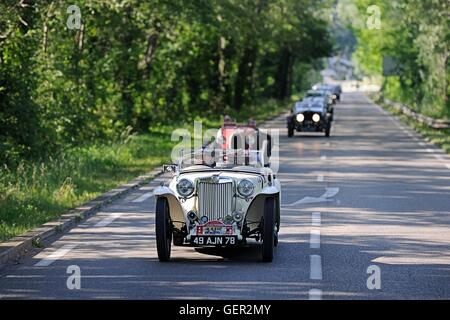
448, 166
422, 144
314, 239
108, 220
45, 262
315, 294
147, 188
316, 267
316, 219
320, 178
323, 158
144, 197
329, 193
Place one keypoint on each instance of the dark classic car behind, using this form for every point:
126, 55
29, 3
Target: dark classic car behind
335, 89
312, 114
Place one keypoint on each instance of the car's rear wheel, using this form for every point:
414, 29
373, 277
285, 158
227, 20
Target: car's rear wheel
163, 227
268, 230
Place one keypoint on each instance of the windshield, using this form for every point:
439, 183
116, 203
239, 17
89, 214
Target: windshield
217, 158
318, 93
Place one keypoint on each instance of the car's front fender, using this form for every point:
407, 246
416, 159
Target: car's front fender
256, 208
269, 190
175, 209
163, 191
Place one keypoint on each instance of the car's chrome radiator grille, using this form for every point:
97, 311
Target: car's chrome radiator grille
215, 200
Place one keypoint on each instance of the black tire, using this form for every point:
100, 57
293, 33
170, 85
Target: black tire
268, 229
290, 132
163, 227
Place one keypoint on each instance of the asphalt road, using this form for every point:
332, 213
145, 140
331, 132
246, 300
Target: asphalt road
374, 194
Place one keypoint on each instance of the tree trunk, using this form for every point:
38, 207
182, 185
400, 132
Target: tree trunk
244, 78
284, 75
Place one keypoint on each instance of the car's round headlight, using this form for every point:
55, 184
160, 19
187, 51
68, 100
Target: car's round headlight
300, 117
185, 187
316, 117
246, 188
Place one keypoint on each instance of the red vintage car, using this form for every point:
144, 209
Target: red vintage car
233, 136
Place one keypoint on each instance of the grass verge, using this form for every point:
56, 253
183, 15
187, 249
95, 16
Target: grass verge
36, 192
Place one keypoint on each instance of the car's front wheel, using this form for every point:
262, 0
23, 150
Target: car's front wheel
163, 227
268, 230
328, 130
290, 132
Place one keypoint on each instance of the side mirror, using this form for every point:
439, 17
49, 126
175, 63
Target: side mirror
170, 168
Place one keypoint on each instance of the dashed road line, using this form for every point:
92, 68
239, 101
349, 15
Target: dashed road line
314, 239
320, 178
144, 197
315, 294
45, 262
323, 158
315, 267
316, 219
108, 220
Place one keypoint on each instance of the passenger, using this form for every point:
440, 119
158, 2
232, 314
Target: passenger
252, 122
227, 120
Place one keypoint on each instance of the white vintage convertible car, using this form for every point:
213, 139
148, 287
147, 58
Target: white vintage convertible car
218, 202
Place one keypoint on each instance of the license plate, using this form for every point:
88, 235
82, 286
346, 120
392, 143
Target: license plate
214, 230
214, 240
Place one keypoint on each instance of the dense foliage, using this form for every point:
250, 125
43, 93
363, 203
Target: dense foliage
137, 64
416, 34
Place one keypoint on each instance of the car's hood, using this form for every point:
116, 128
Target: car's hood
223, 176
234, 175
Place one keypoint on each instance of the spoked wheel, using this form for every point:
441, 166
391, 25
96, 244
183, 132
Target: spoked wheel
163, 230
268, 229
